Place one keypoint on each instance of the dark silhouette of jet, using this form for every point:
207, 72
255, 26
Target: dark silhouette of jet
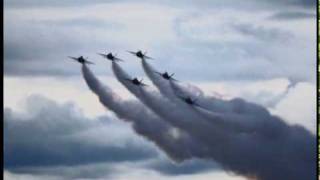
81, 60
141, 55
166, 75
190, 101
110, 57
135, 81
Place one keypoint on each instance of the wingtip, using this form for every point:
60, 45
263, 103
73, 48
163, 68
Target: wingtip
101, 54
131, 52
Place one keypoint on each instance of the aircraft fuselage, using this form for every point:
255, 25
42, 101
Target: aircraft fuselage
189, 101
166, 75
110, 56
139, 54
136, 81
81, 60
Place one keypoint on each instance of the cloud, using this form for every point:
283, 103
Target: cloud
197, 38
77, 33
50, 134
303, 3
50, 3
7, 175
194, 166
56, 141
45, 49
201, 3
122, 172
292, 15
198, 41
239, 46
262, 33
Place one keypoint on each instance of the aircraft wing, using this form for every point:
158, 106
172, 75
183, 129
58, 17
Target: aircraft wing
158, 73
74, 58
173, 79
103, 55
134, 53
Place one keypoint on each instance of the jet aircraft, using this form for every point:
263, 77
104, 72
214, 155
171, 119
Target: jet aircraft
135, 81
166, 75
81, 60
141, 55
110, 57
190, 101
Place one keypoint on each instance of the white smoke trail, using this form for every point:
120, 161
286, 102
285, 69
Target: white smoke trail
273, 102
274, 150
184, 118
166, 89
179, 146
159, 104
172, 91
161, 83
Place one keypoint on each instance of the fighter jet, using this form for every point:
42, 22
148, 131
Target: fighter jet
110, 57
141, 55
190, 101
166, 75
135, 81
81, 60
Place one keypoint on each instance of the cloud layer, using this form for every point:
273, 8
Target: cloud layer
51, 135
56, 141
227, 37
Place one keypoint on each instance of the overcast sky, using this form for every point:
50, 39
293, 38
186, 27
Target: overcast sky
250, 49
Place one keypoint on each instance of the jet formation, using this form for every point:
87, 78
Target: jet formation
109, 56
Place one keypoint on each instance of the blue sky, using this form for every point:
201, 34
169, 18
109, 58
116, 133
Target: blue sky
252, 49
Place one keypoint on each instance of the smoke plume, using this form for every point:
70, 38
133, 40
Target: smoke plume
178, 145
244, 138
